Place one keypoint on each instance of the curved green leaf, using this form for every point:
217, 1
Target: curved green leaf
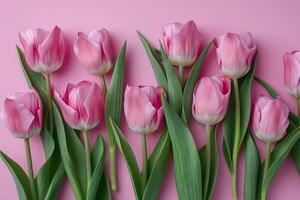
191, 82
157, 68
186, 160
245, 100
129, 158
72, 154
252, 164
104, 191
174, 88
20, 178
55, 183
279, 154
97, 161
157, 163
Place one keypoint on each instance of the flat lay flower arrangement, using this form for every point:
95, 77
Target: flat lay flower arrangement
221, 103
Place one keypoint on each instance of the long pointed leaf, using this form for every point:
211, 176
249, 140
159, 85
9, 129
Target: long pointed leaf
186, 160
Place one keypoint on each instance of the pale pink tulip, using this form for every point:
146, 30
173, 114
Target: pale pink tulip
235, 53
82, 105
291, 61
95, 51
210, 99
143, 108
23, 113
181, 43
44, 50
269, 119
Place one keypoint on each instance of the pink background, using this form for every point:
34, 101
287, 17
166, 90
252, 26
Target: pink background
274, 25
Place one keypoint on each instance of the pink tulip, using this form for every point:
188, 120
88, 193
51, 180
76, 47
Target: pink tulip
269, 119
82, 105
94, 51
23, 113
44, 50
234, 53
291, 61
210, 99
143, 108
181, 42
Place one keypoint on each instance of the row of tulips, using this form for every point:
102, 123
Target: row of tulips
211, 100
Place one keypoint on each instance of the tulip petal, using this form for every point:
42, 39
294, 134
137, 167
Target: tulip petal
292, 71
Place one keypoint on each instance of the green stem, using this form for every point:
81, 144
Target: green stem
145, 157
87, 157
266, 167
180, 74
103, 84
30, 169
208, 159
236, 138
49, 100
298, 108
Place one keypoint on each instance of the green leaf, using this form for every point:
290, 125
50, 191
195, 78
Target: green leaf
191, 82
245, 100
228, 130
129, 157
20, 178
114, 97
157, 163
97, 162
279, 154
55, 183
174, 88
104, 191
72, 154
186, 160
153, 57
252, 164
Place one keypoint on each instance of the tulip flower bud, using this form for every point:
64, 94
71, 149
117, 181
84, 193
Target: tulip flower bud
181, 43
44, 51
210, 99
291, 61
234, 54
23, 114
269, 119
143, 108
82, 105
94, 51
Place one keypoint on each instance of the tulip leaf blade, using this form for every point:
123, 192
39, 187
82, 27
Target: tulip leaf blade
156, 66
245, 100
104, 191
252, 165
228, 130
174, 88
55, 183
191, 82
129, 157
19, 176
186, 160
157, 163
97, 163
68, 151
279, 154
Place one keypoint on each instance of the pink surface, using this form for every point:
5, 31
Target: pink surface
273, 24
